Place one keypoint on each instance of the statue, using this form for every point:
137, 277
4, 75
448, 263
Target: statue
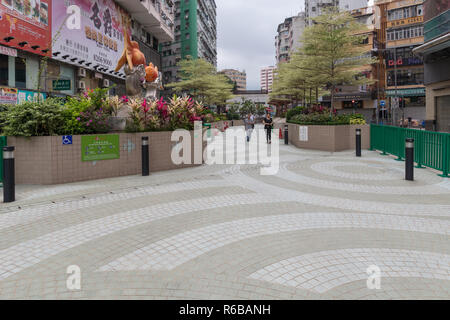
139, 76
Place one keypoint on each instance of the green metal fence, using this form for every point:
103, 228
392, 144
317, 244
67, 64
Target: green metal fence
2, 144
432, 149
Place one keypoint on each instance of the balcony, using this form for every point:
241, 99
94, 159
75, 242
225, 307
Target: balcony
156, 16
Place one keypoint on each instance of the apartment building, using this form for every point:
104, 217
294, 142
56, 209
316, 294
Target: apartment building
314, 8
435, 52
267, 75
287, 40
402, 30
195, 36
238, 77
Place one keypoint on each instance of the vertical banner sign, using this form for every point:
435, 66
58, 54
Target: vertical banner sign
303, 131
27, 22
100, 147
100, 40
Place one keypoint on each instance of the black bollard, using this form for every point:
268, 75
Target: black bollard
409, 155
409, 122
9, 180
145, 157
358, 142
232, 123
286, 134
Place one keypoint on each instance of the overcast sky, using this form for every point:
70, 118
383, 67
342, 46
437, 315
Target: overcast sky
246, 33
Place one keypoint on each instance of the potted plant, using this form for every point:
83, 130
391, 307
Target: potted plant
117, 121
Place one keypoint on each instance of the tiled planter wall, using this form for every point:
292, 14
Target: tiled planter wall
45, 160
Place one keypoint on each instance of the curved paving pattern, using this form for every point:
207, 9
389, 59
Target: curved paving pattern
225, 232
322, 271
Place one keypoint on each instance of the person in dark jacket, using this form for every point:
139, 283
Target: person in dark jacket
268, 126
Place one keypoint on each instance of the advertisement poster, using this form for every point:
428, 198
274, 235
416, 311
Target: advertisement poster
30, 96
8, 95
100, 147
26, 21
99, 42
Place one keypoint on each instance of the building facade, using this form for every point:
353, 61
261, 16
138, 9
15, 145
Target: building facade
401, 25
436, 54
314, 8
238, 77
288, 37
41, 56
267, 76
195, 36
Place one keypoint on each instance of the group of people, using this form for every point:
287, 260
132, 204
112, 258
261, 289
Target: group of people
250, 126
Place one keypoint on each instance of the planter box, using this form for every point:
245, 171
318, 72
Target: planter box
329, 138
45, 160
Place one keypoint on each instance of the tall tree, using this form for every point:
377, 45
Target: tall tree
200, 80
331, 54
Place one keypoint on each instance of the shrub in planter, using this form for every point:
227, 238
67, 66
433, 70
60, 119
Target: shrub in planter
294, 112
45, 118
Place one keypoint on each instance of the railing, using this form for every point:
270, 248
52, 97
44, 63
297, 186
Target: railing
432, 149
2, 144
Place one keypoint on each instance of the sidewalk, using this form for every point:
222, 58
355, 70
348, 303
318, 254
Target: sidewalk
226, 232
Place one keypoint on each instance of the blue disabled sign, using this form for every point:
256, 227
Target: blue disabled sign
67, 140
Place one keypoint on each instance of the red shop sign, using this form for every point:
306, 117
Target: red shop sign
26, 25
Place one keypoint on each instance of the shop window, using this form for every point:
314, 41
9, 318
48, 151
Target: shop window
21, 73
3, 70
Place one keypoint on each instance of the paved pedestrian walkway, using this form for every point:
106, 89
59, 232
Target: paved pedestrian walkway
225, 232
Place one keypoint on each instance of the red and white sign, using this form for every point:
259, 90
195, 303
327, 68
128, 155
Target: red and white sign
25, 24
8, 51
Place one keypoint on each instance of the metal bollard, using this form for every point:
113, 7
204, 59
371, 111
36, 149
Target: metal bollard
145, 157
232, 123
409, 122
409, 154
358, 142
286, 134
9, 180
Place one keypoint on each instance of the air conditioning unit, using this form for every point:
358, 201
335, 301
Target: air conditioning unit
82, 72
106, 83
81, 85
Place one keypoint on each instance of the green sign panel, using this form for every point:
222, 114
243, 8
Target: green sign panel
406, 92
62, 85
100, 147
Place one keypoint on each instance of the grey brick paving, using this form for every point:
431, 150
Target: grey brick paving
226, 232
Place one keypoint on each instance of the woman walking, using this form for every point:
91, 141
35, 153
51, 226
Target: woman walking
268, 125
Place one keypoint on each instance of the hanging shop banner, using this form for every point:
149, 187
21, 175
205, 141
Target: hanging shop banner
30, 96
25, 24
8, 95
100, 147
100, 40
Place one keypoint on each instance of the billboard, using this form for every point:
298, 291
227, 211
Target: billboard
100, 40
26, 22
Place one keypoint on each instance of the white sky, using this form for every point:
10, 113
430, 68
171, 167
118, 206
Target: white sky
246, 33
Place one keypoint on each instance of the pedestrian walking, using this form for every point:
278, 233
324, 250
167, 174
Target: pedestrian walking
268, 126
249, 125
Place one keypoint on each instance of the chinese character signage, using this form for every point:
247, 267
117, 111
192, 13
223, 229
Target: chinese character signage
100, 147
62, 85
99, 42
26, 22
405, 22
